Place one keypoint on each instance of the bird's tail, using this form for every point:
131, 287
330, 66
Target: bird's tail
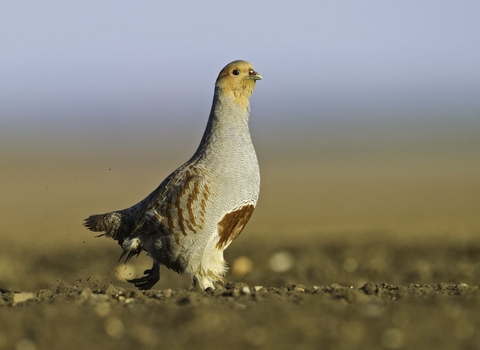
114, 225
108, 223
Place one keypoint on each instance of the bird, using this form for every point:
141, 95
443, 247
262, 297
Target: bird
188, 221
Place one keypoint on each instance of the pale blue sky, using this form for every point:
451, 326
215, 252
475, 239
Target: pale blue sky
97, 63
368, 115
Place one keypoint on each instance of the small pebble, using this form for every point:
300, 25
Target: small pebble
103, 309
242, 266
281, 262
245, 290
392, 338
84, 295
22, 297
114, 327
256, 336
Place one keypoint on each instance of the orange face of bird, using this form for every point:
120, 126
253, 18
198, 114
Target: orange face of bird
238, 79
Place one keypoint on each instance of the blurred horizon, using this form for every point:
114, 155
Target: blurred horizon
367, 117
337, 60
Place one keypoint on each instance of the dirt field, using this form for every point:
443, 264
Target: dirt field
344, 293
369, 244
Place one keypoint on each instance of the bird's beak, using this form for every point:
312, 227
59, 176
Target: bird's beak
255, 76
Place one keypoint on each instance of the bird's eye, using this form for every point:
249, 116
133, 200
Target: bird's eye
235, 72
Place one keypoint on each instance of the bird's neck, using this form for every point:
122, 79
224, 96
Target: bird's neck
228, 121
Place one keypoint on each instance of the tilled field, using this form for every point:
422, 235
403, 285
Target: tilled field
348, 292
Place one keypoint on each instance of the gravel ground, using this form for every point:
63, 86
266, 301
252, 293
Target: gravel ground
345, 292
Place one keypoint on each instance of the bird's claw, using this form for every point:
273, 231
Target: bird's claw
151, 277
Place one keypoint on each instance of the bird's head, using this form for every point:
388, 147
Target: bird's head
238, 80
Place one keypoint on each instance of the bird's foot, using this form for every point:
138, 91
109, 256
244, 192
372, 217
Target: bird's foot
151, 277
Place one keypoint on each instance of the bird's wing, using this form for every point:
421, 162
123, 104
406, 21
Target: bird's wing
177, 208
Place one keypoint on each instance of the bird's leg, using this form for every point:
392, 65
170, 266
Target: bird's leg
151, 277
196, 285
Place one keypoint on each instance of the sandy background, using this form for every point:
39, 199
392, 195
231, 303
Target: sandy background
409, 178
391, 204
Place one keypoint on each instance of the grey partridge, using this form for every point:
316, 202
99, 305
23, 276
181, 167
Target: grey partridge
200, 208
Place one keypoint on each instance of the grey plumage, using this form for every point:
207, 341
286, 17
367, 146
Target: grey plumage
199, 209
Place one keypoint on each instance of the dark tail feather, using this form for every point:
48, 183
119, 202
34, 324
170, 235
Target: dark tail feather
108, 223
